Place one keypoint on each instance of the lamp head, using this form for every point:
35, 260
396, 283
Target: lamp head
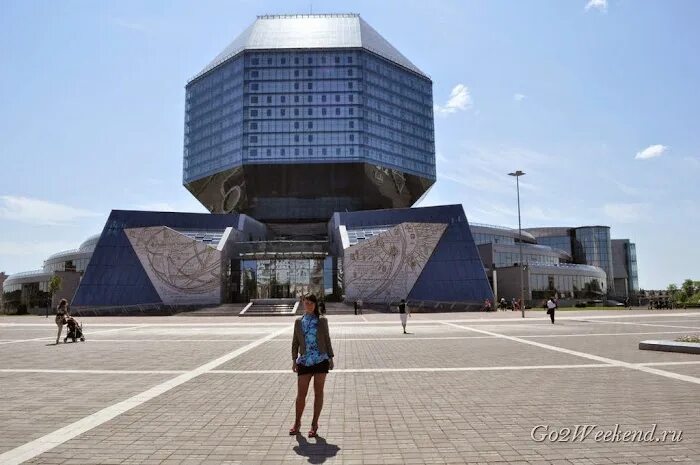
517, 173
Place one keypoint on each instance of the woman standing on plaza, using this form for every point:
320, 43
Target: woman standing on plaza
312, 357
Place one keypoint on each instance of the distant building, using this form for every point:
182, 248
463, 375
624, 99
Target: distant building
570, 262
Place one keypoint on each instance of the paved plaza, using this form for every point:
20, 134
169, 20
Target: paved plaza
460, 388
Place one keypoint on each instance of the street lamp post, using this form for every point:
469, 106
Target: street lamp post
517, 175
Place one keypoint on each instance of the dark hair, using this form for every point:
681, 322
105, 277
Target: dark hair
62, 303
312, 298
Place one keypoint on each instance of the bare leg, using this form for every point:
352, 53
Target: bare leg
58, 336
319, 382
302, 389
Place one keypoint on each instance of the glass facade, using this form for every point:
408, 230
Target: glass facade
568, 286
592, 246
633, 274
280, 278
343, 110
504, 258
486, 238
556, 242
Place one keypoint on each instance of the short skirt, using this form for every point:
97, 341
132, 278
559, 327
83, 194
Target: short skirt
313, 369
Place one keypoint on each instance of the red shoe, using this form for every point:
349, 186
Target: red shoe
312, 431
294, 430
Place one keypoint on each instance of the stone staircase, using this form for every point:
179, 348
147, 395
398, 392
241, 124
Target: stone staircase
270, 307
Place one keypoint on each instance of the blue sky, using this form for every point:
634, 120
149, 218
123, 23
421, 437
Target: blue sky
597, 101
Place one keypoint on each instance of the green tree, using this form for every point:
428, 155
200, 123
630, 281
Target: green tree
54, 286
688, 288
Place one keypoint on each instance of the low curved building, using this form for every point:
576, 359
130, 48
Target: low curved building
29, 290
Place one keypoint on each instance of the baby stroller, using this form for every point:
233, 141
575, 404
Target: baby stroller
75, 330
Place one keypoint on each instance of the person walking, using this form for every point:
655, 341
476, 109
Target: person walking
312, 357
355, 304
62, 315
359, 306
404, 313
551, 306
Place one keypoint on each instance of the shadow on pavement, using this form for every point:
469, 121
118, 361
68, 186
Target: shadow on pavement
317, 452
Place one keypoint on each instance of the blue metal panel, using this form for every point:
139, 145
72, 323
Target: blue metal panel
454, 273
115, 276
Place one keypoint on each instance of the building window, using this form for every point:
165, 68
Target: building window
296, 60
283, 61
296, 86
337, 60
351, 111
323, 98
253, 139
337, 111
269, 61
337, 98
310, 138
255, 61
254, 86
323, 111
296, 112
349, 84
282, 152
310, 125
350, 72
296, 152
268, 112
296, 99
310, 151
349, 60
309, 99
337, 151
283, 99
269, 99
310, 85
253, 112
309, 72
309, 60
254, 74
296, 137
296, 124
254, 126
268, 152
283, 112
310, 111
352, 137
254, 99
323, 151
352, 151
351, 124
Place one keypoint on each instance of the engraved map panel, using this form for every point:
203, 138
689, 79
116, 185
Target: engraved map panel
384, 268
182, 270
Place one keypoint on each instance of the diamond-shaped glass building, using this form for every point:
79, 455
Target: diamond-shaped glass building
302, 116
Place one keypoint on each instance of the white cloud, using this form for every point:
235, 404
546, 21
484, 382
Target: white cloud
41, 212
519, 97
33, 248
600, 5
692, 161
652, 151
460, 99
125, 24
627, 212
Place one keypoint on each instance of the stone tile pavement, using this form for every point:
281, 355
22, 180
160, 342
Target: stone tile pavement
443, 394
